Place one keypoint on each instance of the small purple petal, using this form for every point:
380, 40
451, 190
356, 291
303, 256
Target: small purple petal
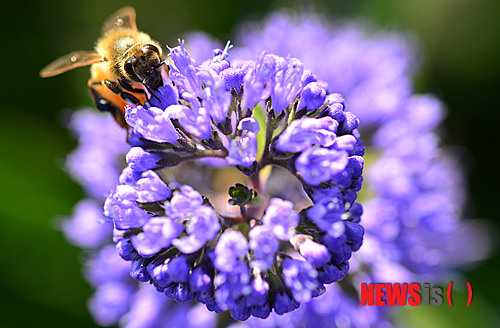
281, 218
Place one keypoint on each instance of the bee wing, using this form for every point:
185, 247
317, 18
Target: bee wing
72, 60
123, 18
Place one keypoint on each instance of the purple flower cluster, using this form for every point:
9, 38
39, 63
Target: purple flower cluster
270, 255
291, 232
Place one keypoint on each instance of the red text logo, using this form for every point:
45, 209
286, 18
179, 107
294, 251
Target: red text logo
413, 294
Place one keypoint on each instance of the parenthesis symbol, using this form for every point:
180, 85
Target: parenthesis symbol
448, 293
469, 287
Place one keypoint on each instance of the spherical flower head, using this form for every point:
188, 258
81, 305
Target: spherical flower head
233, 251
416, 192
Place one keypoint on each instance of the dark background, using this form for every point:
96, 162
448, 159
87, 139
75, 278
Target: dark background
40, 280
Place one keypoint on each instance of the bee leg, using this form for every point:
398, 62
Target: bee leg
129, 87
104, 105
167, 69
117, 88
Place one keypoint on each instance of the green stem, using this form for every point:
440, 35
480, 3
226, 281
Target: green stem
243, 211
269, 137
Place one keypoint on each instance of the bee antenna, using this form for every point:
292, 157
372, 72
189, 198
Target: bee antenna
160, 64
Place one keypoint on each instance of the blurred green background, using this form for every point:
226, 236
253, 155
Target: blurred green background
40, 280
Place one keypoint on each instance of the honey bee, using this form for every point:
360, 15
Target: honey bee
126, 65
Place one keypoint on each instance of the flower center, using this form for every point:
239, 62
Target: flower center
213, 181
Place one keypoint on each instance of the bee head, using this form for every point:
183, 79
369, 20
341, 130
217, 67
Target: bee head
145, 66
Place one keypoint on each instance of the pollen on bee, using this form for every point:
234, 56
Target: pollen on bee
73, 58
119, 22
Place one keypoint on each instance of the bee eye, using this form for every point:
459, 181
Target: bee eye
150, 47
129, 69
